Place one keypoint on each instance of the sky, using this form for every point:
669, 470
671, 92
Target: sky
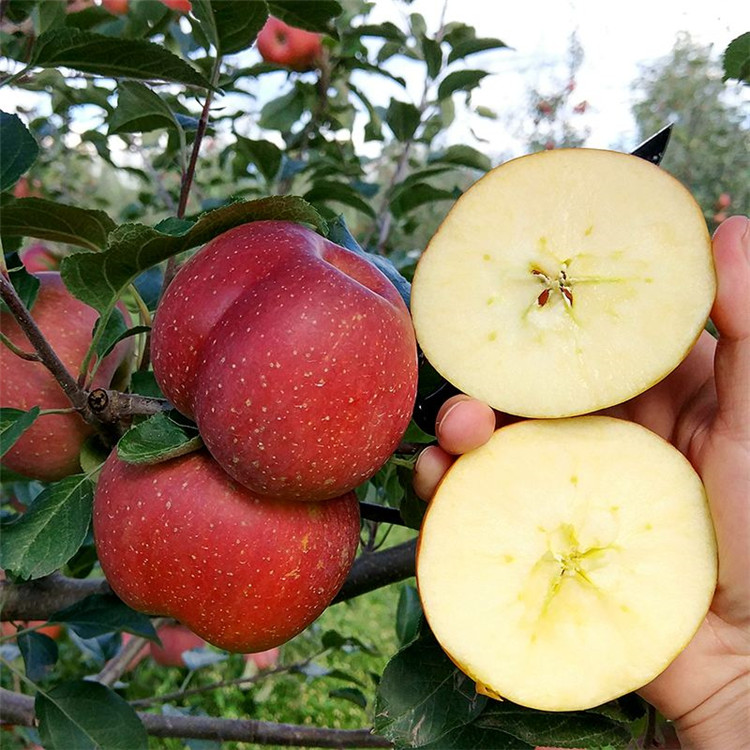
616, 38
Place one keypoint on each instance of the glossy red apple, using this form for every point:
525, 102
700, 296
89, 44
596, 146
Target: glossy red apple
49, 449
286, 45
38, 257
296, 357
245, 573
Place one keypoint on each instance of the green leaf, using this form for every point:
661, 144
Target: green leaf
114, 330
99, 279
466, 47
50, 16
266, 156
98, 614
433, 56
48, 220
334, 640
139, 110
282, 113
386, 30
50, 532
324, 191
422, 695
230, 25
737, 59
474, 737
306, 15
86, 715
157, 439
13, 423
415, 434
466, 156
112, 57
417, 195
408, 615
39, 654
403, 119
353, 695
460, 80
18, 149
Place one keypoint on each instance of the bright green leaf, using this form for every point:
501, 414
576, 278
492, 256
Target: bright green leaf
18, 149
158, 438
50, 532
13, 423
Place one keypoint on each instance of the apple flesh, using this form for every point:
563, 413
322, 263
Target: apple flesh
245, 573
296, 358
567, 562
282, 44
49, 449
564, 282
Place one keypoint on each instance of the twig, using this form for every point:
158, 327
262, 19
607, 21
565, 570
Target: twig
118, 665
111, 406
28, 356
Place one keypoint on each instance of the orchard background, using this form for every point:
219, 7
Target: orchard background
167, 129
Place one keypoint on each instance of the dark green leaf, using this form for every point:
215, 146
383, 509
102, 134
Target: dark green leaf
47, 220
386, 30
99, 279
39, 653
460, 80
422, 696
466, 47
50, 532
403, 119
474, 737
433, 56
13, 423
144, 383
86, 715
324, 191
408, 615
415, 434
26, 284
737, 59
230, 25
18, 149
266, 156
417, 195
157, 439
353, 695
412, 508
333, 639
465, 156
98, 614
282, 113
114, 330
304, 14
139, 110
112, 57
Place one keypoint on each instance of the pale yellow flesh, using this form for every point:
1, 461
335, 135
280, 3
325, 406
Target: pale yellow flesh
636, 255
567, 562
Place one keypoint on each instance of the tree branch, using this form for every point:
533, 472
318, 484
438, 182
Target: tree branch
38, 600
19, 709
111, 406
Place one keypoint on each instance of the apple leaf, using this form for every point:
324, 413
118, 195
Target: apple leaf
51, 531
48, 220
266, 156
422, 696
403, 119
737, 59
323, 191
460, 80
465, 47
465, 156
139, 110
304, 14
230, 25
114, 58
13, 423
87, 715
157, 439
408, 615
18, 149
98, 614
406, 200
26, 284
39, 653
353, 695
99, 279
433, 55
283, 112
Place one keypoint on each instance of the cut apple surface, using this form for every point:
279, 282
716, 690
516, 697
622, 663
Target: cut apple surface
564, 282
567, 562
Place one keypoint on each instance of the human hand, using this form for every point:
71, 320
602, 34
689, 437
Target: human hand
703, 408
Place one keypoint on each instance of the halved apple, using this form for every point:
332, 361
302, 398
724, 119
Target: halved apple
564, 282
567, 562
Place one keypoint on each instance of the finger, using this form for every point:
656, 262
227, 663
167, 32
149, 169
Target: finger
431, 465
731, 315
463, 423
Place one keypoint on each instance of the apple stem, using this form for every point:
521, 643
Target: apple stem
110, 406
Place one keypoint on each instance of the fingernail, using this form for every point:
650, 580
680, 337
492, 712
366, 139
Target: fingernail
443, 418
745, 238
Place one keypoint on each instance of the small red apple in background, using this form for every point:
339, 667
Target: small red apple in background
181, 6
175, 640
296, 357
286, 45
181, 539
723, 201
49, 449
264, 659
38, 257
121, 7
25, 188
53, 631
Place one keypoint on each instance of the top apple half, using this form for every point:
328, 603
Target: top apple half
565, 282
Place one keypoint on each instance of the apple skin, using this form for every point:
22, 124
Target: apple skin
37, 257
291, 47
296, 357
49, 449
245, 573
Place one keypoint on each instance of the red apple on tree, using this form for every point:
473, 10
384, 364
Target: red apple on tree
295, 356
175, 641
49, 449
38, 257
264, 659
245, 573
291, 47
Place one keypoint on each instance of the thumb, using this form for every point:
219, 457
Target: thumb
731, 315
